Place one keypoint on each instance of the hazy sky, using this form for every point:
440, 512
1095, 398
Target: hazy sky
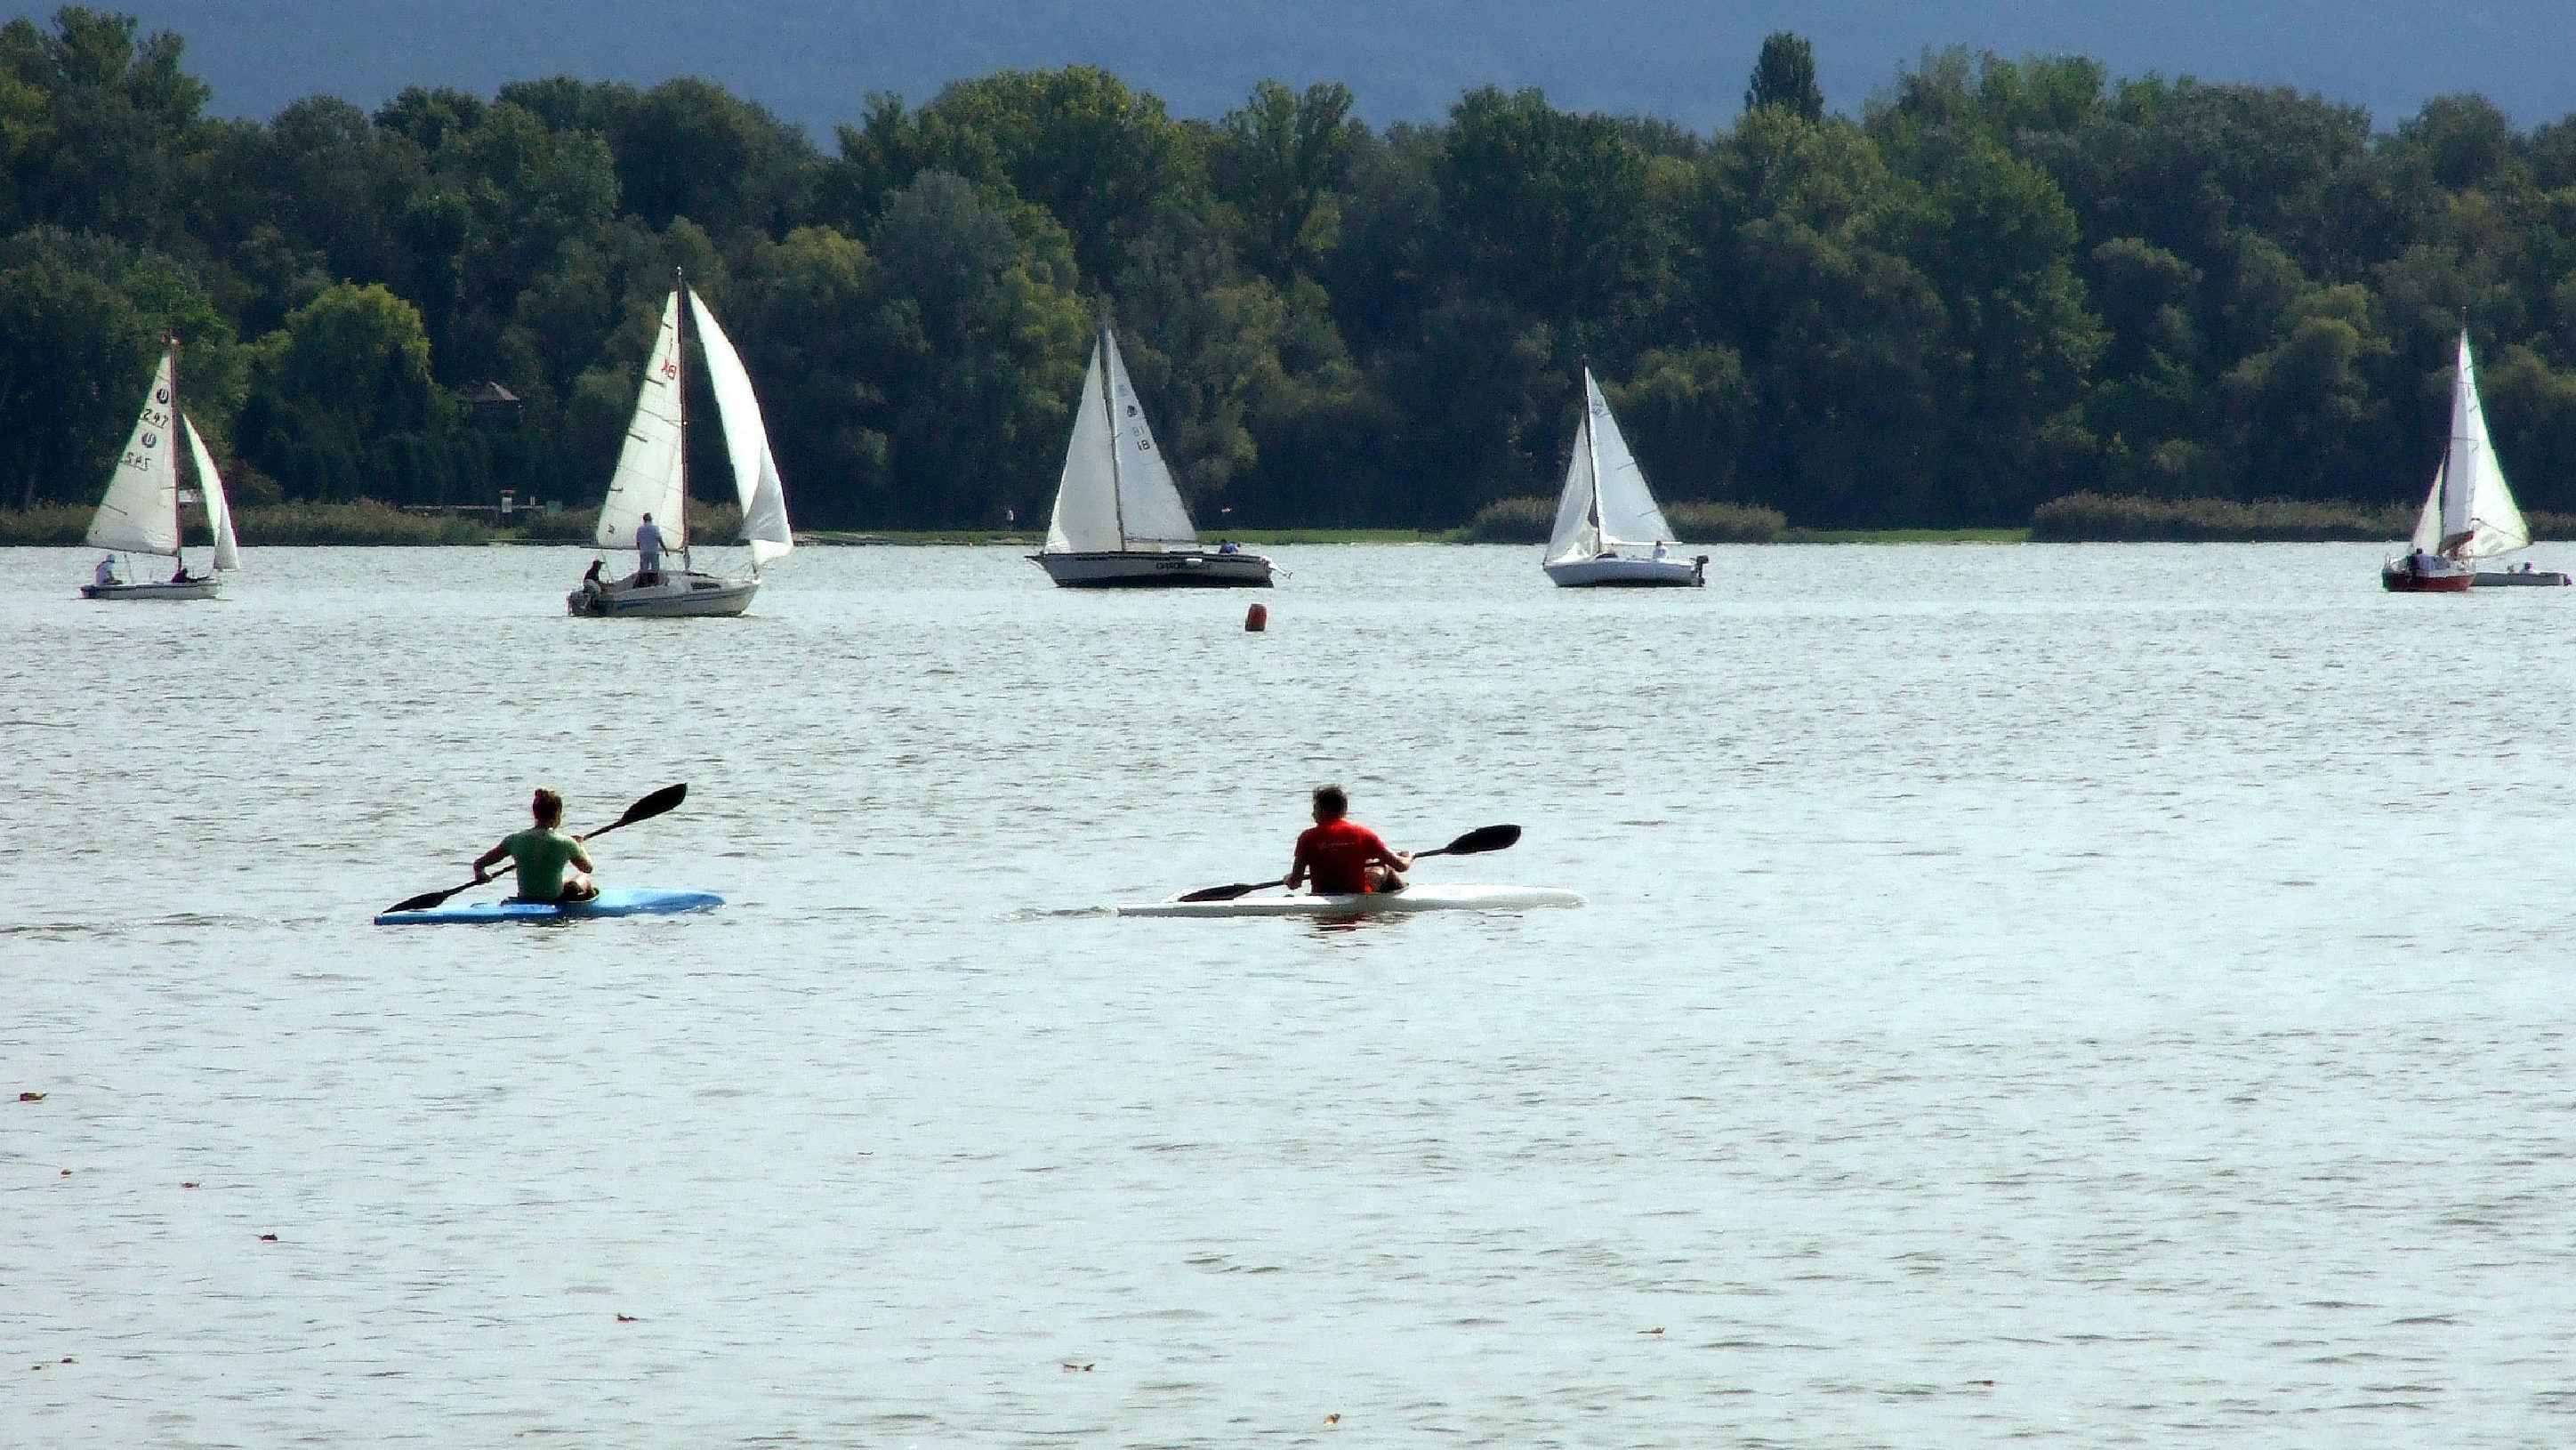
815, 60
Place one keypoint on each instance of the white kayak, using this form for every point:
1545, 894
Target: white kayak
1413, 898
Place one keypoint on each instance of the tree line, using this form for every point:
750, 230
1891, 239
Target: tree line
2004, 281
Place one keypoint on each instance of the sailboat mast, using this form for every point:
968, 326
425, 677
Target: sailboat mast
178, 532
1112, 371
680, 397
1592, 450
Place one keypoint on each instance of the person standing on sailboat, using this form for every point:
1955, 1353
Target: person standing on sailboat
105, 573
1345, 857
543, 854
648, 551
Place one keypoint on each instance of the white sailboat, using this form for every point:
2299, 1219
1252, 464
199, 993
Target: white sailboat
1609, 532
140, 514
2469, 515
1119, 522
652, 482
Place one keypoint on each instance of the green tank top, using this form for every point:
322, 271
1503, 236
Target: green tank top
542, 856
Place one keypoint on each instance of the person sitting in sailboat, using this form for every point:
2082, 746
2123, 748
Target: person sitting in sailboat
648, 552
105, 573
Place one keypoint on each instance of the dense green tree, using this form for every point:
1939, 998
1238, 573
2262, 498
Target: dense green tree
82, 321
981, 340
106, 125
1279, 161
340, 397
1553, 213
1784, 75
2006, 279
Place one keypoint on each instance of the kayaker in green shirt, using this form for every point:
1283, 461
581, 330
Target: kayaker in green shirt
543, 853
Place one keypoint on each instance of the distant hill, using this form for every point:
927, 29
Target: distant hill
813, 61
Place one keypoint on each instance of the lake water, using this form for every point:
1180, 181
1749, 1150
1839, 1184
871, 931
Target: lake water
2089, 995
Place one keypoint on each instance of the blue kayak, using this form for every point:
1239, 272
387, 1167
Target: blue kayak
614, 901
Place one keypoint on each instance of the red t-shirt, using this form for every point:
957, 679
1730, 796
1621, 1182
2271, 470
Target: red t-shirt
1337, 854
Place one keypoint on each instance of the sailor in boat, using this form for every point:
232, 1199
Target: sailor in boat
1227, 547
648, 552
1344, 857
1663, 549
552, 864
105, 573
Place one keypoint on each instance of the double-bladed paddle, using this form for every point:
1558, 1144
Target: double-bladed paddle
643, 810
1477, 841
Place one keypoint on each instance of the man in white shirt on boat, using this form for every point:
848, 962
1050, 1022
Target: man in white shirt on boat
105, 573
648, 552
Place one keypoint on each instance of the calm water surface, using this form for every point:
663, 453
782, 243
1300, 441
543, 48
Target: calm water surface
2086, 995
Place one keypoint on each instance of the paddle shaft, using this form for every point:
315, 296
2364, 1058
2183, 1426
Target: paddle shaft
646, 809
1474, 843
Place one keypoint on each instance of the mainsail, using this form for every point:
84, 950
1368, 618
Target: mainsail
648, 478
755, 468
219, 514
1150, 514
1605, 502
1115, 494
2469, 514
140, 514
1628, 512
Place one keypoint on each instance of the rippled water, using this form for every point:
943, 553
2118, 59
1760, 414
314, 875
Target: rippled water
2100, 996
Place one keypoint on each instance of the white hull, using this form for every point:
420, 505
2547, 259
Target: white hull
1411, 899
1139, 569
174, 593
1618, 571
675, 594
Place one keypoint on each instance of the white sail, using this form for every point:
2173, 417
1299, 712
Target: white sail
219, 514
1086, 494
1150, 515
755, 468
2485, 508
1628, 511
2428, 522
141, 511
649, 479
1577, 534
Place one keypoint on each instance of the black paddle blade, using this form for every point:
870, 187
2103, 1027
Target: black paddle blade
651, 806
1227, 893
1483, 838
428, 899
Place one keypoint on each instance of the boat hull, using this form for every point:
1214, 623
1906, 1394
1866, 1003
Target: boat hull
2518, 579
1620, 572
163, 591
1178, 569
675, 594
2401, 581
621, 901
1411, 900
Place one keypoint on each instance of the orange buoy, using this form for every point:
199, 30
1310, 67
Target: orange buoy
1256, 619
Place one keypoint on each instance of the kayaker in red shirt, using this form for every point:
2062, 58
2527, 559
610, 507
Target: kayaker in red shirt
1344, 857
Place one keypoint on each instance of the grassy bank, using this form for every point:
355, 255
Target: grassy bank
2076, 518
2093, 518
1532, 519
363, 523
1903, 536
